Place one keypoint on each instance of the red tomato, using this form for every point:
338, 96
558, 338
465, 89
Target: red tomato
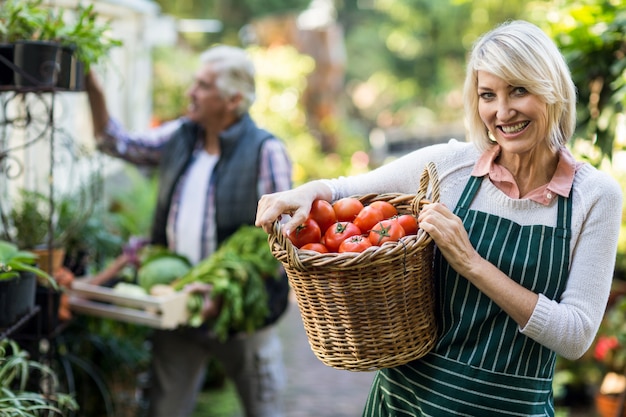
323, 213
408, 223
386, 231
317, 247
387, 208
347, 208
368, 217
339, 232
307, 232
356, 243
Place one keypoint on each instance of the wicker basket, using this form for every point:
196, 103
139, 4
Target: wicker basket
370, 310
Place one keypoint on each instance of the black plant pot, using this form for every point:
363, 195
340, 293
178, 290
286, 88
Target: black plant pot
6, 66
47, 321
38, 64
72, 71
17, 298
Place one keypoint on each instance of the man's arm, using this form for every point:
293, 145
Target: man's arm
276, 169
97, 102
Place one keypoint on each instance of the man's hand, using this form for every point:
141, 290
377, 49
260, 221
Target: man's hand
209, 308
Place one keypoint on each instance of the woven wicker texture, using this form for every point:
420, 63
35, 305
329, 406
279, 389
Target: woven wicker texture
370, 310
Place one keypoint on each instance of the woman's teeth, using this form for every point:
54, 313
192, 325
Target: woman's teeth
514, 128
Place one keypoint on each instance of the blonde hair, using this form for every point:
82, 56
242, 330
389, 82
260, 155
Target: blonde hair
234, 73
523, 55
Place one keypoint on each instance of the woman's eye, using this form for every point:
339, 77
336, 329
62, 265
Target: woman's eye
486, 95
520, 91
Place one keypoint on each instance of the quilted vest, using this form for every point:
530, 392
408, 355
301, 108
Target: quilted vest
235, 176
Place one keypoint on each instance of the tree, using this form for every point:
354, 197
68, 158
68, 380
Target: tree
406, 59
592, 36
234, 15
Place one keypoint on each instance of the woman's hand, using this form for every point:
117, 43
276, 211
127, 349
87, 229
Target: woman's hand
451, 238
296, 203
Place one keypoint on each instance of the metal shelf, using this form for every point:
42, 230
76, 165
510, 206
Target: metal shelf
7, 332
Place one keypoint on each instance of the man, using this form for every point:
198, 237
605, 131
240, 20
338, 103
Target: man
213, 166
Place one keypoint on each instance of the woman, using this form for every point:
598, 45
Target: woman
525, 238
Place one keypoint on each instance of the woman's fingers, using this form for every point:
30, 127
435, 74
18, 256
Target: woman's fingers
450, 236
295, 202
275, 206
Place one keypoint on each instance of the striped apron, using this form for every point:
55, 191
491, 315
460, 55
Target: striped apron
482, 365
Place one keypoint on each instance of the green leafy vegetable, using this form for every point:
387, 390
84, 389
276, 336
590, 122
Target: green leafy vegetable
237, 271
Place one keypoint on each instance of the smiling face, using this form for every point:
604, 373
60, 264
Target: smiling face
516, 118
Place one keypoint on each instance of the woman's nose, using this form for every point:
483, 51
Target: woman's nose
505, 111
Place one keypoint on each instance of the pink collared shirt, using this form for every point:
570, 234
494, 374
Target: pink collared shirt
560, 184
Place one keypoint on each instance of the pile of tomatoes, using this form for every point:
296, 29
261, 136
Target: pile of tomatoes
349, 226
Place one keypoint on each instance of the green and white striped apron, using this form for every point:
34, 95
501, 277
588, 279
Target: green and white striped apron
482, 365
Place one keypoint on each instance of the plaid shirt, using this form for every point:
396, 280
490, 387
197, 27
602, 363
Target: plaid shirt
145, 149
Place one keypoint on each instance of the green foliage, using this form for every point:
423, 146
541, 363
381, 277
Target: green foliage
278, 108
18, 372
79, 223
31, 20
89, 35
20, 19
592, 36
130, 207
121, 353
28, 223
406, 59
14, 261
258, 8
246, 9
236, 272
170, 82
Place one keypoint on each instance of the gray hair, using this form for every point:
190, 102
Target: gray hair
523, 55
234, 73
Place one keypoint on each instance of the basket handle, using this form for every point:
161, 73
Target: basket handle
429, 176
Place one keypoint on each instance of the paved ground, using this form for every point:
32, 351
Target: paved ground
315, 389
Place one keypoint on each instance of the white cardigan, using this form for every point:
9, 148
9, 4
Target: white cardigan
569, 325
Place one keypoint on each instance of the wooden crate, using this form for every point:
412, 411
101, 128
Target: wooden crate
165, 312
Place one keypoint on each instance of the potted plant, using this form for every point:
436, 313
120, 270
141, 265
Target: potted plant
18, 278
35, 59
18, 375
85, 41
30, 227
51, 50
88, 37
18, 20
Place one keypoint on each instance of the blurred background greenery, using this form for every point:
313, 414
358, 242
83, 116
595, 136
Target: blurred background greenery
385, 77
348, 85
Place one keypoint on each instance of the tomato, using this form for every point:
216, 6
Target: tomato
408, 223
317, 247
307, 232
339, 232
386, 231
368, 217
347, 208
356, 243
387, 208
323, 214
